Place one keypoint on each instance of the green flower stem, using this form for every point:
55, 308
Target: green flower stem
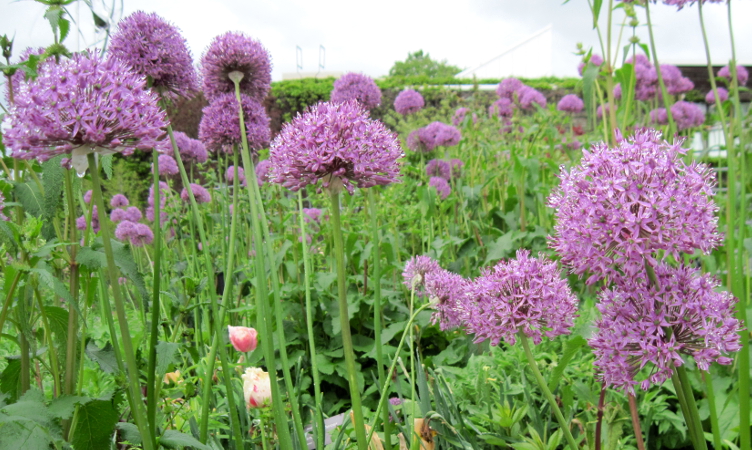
377, 312
259, 219
344, 318
664, 92
636, 421
547, 392
680, 395
152, 380
390, 373
694, 413
708, 379
319, 416
134, 384
70, 347
218, 330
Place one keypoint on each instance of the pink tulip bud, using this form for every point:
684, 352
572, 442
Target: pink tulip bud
244, 339
257, 388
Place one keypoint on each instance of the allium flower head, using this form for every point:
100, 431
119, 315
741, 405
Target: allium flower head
508, 87
164, 190
595, 59
167, 165
687, 115
333, 141
199, 192
236, 52
446, 291
118, 215
83, 105
263, 169
220, 125
742, 75
528, 97
681, 3
441, 185
600, 110
523, 295
119, 201
356, 86
502, 107
230, 175
459, 116
416, 269
439, 134
133, 214
87, 196
646, 77
570, 103
675, 82
408, 101
644, 326
312, 215
141, 235
659, 116
152, 47
620, 205
125, 229
190, 149
723, 95
438, 168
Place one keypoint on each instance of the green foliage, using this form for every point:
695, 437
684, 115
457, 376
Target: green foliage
294, 96
95, 423
419, 64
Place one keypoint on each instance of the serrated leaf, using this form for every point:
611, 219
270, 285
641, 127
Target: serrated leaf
107, 165
105, 357
63, 407
64, 25
130, 432
9, 379
176, 439
52, 283
93, 257
58, 320
95, 423
166, 355
30, 197
501, 248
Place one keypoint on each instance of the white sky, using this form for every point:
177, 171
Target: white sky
369, 37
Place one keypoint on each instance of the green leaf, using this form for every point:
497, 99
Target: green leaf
107, 165
9, 379
53, 15
167, 353
58, 320
95, 423
175, 439
597, 4
571, 348
63, 407
52, 283
130, 432
105, 357
93, 257
588, 89
501, 248
324, 364
324, 280
28, 423
64, 25
30, 197
52, 181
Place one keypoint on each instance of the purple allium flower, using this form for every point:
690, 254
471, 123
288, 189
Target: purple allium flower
570, 103
82, 221
230, 175
659, 116
456, 165
124, 230
154, 48
742, 75
118, 215
687, 115
395, 401
408, 101
356, 86
133, 214
595, 59
87, 196
528, 97
646, 77
441, 185
681, 3
674, 81
438, 168
414, 143
617, 91
723, 95
447, 291
502, 107
508, 87
118, 201
459, 116
190, 149
83, 105
438, 134
167, 165
162, 215
2, 206
263, 169
335, 141
236, 52
621, 205
220, 125
164, 189
523, 295
199, 192
415, 273
312, 215
643, 325
599, 111
141, 235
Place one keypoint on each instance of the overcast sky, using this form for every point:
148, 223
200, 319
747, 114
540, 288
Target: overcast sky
369, 37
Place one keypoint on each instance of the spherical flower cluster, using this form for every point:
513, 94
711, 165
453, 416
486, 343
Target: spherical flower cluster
230, 175
502, 107
152, 47
570, 103
414, 275
529, 97
742, 75
190, 149
621, 205
723, 95
681, 3
335, 141
82, 221
263, 169
119, 201
118, 215
523, 295
359, 87
646, 77
83, 105
687, 115
459, 116
508, 87
312, 215
87, 196
446, 291
133, 214
595, 59
199, 192
438, 134
164, 190
674, 81
441, 185
138, 234
167, 165
236, 52
439, 168
659, 116
408, 101
220, 125
645, 326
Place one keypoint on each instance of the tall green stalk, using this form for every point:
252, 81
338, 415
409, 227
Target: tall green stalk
70, 347
152, 380
664, 92
344, 316
134, 384
319, 415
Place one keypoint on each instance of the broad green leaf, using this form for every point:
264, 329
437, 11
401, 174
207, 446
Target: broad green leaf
175, 439
30, 197
63, 407
571, 348
106, 162
9, 379
58, 320
105, 357
500, 248
597, 4
95, 423
167, 353
130, 432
